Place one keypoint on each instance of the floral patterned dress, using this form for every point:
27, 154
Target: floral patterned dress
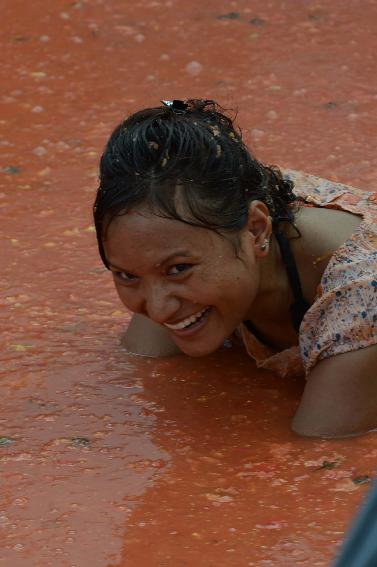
343, 316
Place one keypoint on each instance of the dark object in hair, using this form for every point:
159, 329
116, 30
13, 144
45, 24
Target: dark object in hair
181, 106
190, 166
176, 105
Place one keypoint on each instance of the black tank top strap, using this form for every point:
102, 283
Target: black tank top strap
299, 306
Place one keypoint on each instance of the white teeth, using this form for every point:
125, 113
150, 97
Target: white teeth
186, 322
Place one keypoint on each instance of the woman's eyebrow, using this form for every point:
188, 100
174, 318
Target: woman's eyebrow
182, 253
116, 267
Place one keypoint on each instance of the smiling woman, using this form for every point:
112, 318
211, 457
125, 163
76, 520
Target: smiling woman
205, 241
199, 296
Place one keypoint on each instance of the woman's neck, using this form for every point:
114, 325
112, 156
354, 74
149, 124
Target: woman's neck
270, 310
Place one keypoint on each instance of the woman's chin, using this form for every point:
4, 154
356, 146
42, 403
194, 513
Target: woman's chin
202, 338
202, 348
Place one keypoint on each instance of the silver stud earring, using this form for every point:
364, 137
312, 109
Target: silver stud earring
265, 244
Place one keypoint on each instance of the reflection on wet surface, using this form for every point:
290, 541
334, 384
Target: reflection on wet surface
109, 459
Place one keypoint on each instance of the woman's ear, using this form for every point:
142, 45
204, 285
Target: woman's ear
260, 226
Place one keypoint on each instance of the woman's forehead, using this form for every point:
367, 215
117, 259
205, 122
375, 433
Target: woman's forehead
145, 224
151, 238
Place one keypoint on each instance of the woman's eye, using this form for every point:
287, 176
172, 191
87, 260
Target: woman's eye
125, 277
178, 269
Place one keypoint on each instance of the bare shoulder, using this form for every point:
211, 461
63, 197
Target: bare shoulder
144, 337
340, 397
325, 230
322, 231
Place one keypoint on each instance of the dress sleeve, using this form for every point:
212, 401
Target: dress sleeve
343, 317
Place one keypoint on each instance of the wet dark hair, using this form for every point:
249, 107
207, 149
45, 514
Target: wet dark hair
186, 161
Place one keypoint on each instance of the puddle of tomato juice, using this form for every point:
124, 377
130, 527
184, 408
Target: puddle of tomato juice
109, 459
242, 489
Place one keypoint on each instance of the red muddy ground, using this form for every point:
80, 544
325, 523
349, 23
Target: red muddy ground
111, 460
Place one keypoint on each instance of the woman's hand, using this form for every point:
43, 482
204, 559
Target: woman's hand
146, 338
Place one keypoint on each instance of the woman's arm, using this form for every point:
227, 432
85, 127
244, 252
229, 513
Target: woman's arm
146, 338
340, 397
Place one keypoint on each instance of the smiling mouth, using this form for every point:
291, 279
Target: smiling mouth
189, 321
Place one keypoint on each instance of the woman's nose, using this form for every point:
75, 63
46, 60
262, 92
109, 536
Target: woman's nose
160, 304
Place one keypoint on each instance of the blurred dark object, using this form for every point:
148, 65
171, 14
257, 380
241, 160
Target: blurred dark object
360, 546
